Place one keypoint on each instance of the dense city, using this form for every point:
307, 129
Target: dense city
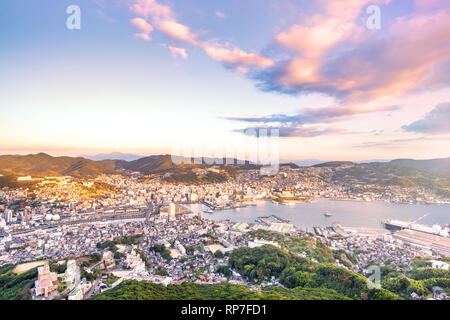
103, 231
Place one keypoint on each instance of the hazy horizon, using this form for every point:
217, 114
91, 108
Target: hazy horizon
117, 155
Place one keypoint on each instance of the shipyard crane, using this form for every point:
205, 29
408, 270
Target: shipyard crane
420, 218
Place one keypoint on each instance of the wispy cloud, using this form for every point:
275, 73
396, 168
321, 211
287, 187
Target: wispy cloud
144, 27
293, 131
220, 14
437, 121
162, 18
178, 52
294, 125
317, 115
393, 143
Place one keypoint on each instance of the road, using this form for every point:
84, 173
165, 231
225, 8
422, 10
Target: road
93, 289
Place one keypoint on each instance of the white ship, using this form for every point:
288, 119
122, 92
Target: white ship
396, 225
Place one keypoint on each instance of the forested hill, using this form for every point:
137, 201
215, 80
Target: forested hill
145, 290
42, 164
302, 280
438, 166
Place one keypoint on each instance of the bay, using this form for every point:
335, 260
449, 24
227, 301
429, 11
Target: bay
347, 213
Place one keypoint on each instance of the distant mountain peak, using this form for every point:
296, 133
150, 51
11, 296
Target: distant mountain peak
438, 166
113, 156
334, 164
42, 164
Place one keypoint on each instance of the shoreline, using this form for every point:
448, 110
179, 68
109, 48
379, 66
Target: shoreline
315, 200
357, 215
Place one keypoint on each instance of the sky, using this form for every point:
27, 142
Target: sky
153, 76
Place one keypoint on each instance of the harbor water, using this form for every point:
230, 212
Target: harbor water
347, 213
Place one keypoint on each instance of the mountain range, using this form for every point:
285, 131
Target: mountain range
42, 164
113, 156
438, 166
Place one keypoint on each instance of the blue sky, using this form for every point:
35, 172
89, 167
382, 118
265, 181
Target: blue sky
208, 69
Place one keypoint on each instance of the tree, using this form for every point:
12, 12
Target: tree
162, 272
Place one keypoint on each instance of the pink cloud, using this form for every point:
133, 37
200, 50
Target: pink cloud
163, 18
177, 31
345, 9
152, 9
426, 5
408, 61
310, 42
235, 56
219, 14
145, 28
178, 52
411, 53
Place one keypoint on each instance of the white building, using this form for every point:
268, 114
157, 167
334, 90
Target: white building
260, 243
172, 211
26, 178
439, 264
8, 215
2, 223
76, 294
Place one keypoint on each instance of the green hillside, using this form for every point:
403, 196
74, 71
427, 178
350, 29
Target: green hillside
333, 164
302, 278
421, 281
42, 164
400, 173
16, 286
145, 290
258, 264
385, 174
437, 166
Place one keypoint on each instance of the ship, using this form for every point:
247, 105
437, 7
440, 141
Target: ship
397, 225
327, 214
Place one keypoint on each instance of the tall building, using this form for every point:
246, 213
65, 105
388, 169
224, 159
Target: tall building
172, 211
8, 215
47, 281
25, 216
72, 274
